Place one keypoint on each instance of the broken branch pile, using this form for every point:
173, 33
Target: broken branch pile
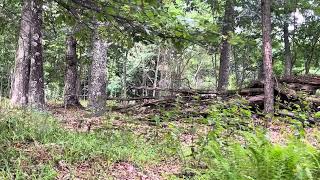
286, 90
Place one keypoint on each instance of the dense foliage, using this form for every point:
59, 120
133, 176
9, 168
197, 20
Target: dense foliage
187, 33
93, 89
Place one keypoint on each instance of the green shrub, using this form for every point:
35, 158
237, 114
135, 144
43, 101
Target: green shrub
257, 158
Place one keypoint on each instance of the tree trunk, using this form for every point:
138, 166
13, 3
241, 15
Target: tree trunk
307, 66
20, 80
244, 65
144, 78
226, 47
267, 57
294, 53
124, 77
36, 82
155, 81
195, 77
288, 59
71, 75
79, 88
81, 69
237, 68
98, 82
215, 71
310, 54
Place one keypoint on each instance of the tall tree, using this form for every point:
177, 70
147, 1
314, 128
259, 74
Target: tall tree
287, 51
98, 80
155, 81
267, 56
71, 75
36, 82
124, 75
226, 47
20, 84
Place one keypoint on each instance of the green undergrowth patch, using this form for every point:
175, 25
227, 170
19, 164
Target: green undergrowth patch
229, 143
255, 157
238, 147
33, 143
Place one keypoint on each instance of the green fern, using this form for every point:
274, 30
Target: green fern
258, 158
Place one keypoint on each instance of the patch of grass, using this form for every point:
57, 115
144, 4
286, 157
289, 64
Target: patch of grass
84, 103
26, 134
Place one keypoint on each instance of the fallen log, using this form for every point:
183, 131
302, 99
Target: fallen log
286, 113
245, 91
315, 100
250, 91
307, 84
303, 87
292, 115
309, 80
180, 91
286, 89
255, 101
150, 103
130, 99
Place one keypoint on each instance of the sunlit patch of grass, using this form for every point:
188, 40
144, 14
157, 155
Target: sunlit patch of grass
55, 101
4, 103
84, 102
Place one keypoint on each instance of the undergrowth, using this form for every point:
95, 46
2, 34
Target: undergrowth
255, 157
237, 149
33, 145
22, 131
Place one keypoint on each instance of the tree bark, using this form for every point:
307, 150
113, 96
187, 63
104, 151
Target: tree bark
307, 66
36, 94
79, 82
98, 81
155, 81
288, 58
124, 76
20, 80
226, 47
195, 77
237, 68
144, 77
309, 58
294, 53
267, 57
214, 63
71, 76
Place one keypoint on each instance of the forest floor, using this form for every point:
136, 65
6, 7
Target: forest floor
137, 145
79, 120
141, 125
